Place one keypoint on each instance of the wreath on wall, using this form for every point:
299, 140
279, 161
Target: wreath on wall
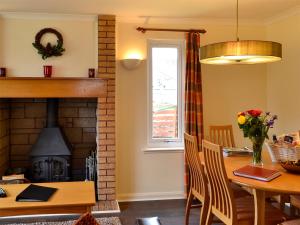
49, 50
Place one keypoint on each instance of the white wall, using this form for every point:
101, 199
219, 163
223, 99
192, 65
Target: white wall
226, 91
284, 77
1, 43
20, 57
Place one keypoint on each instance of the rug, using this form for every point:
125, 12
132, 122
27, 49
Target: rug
102, 221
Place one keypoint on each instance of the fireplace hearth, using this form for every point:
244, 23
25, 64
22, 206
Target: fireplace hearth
50, 155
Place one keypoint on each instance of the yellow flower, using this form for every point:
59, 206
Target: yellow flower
241, 120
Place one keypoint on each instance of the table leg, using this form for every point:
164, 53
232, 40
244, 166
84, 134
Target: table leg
259, 204
89, 209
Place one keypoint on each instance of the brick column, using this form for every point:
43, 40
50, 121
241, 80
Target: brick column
106, 109
106, 46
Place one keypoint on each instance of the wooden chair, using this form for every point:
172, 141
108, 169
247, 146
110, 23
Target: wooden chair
198, 182
295, 204
222, 203
222, 135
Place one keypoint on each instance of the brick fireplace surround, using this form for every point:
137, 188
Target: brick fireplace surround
101, 88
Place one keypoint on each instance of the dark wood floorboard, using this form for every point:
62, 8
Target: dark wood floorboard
170, 212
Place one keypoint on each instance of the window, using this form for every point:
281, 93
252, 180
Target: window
165, 85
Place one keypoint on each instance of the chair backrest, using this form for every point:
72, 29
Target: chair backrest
221, 195
197, 176
222, 135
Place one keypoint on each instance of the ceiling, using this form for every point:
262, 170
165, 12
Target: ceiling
218, 9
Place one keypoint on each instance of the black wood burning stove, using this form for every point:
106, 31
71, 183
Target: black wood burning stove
50, 155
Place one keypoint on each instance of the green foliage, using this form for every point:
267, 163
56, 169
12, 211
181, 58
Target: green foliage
49, 50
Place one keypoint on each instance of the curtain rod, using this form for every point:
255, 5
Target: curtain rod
143, 30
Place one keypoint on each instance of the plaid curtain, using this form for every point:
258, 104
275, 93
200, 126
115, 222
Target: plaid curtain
193, 88
193, 93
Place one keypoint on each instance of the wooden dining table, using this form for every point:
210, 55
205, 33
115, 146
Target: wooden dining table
287, 183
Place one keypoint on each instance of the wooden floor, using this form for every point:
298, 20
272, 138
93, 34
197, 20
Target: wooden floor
170, 212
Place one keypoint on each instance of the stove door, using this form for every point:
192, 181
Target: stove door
40, 169
59, 169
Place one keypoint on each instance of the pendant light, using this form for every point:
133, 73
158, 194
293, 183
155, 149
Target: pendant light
240, 51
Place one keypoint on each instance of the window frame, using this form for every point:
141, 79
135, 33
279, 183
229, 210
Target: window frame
180, 45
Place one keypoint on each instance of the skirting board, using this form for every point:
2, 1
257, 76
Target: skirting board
150, 196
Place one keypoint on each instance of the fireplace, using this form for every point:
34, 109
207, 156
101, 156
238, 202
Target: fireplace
24, 115
43, 128
101, 89
86, 94
50, 154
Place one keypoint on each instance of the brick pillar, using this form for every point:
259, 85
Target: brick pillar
106, 46
106, 109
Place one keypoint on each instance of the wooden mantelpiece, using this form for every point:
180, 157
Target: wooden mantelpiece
62, 87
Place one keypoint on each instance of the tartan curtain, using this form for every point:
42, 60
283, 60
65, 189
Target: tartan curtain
193, 88
193, 94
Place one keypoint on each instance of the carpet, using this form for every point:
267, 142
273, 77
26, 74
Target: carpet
102, 221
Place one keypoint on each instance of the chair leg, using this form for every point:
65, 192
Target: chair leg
188, 207
293, 210
204, 212
209, 218
283, 199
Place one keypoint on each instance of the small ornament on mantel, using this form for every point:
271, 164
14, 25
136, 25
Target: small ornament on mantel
2, 72
49, 50
47, 71
91, 72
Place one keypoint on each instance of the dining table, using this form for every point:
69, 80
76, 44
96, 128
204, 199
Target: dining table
287, 183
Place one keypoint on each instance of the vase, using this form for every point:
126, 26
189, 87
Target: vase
257, 143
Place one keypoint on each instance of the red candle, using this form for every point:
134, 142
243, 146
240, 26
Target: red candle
47, 71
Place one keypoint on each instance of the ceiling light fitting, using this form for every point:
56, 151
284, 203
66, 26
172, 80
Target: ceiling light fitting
240, 52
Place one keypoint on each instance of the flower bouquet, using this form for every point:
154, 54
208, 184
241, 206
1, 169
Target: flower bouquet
255, 125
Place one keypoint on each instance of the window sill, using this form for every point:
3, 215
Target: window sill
163, 150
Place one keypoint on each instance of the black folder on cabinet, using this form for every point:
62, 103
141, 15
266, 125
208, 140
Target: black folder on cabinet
35, 193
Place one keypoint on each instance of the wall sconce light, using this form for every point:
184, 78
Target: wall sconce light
132, 59
130, 64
